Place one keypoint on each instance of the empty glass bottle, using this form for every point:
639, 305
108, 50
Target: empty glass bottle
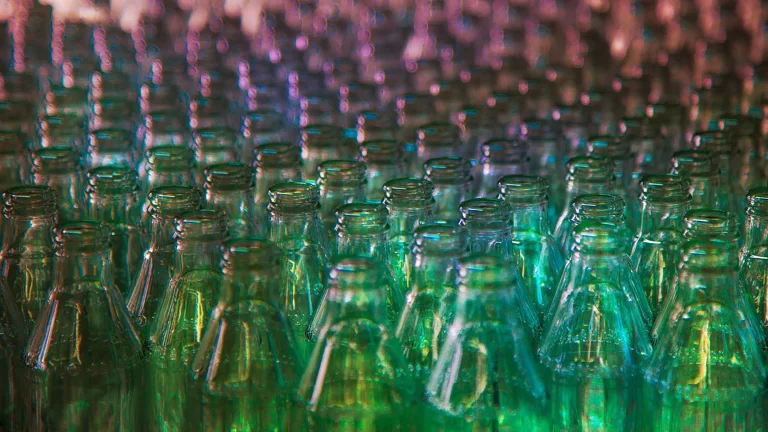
438, 139
112, 199
531, 244
247, 364
754, 253
486, 376
453, 183
356, 378
157, 265
274, 162
698, 167
596, 208
724, 156
214, 145
384, 160
410, 204
617, 150
30, 214
295, 226
597, 337
177, 330
664, 200
229, 188
706, 372
584, 175
340, 182
262, 126
321, 142
83, 350
499, 157
59, 167
108, 146
167, 165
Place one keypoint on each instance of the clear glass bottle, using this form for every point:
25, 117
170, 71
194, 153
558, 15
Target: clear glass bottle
485, 337
434, 140
584, 175
26, 258
167, 166
725, 157
619, 152
375, 393
499, 157
59, 167
84, 349
384, 160
340, 181
294, 225
246, 384
593, 207
698, 167
263, 126
706, 370
184, 308
112, 199
531, 243
597, 336
410, 204
111, 146
453, 183
229, 188
157, 265
215, 145
274, 162
319, 142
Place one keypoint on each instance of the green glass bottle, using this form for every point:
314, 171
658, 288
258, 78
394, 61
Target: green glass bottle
486, 224
319, 142
229, 188
26, 258
754, 253
584, 175
384, 160
59, 167
453, 183
154, 275
664, 199
356, 378
706, 372
177, 330
595, 208
362, 230
698, 167
274, 162
531, 244
247, 364
340, 182
410, 204
112, 199
499, 157
168, 165
618, 151
725, 157
295, 227
430, 305
597, 338
84, 349
486, 377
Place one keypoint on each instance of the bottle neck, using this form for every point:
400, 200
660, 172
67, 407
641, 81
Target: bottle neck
661, 216
435, 272
28, 235
161, 234
78, 267
370, 245
402, 222
529, 217
195, 254
294, 231
114, 209
704, 191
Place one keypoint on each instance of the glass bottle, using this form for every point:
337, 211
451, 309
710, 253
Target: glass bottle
214, 145
294, 225
274, 162
698, 167
30, 214
384, 160
725, 157
617, 150
584, 175
167, 166
430, 305
754, 253
452, 180
531, 243
84, 349
596, 339
434, 140
154, 275
593, 207
111, 146
247, 364
59, 167
321, 142
706, 371
262, 126
664, 200
340, 182
410, 204
177, 330
112, 199
486, 376
499, 157
356, 378
229, 188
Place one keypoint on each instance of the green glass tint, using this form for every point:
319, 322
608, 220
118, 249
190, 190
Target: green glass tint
754, 253
274, 162
452, 183
340, 182
229, 188
593, 208
59, 167
584, 175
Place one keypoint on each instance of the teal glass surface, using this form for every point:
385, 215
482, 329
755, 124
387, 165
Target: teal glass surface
584, 175
754, 253
384, 160
700, 169
593, 208
453, 183
228, 188
274, 162
499, 157
619, 152
340, 181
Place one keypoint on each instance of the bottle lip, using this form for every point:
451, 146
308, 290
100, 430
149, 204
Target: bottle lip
29, 201
438, 134
227, 176
201, 225
277, 154
249, 253
694, 164
56, 160
361, 219
710, 222
81, 237
609, 146
708, 253
381, 151
484, 214
597, 236
261, 120
214, 137
448, 170
293, 198
408, 194
112, 180
341, 173
757, 201
170, 158
169, 201
593, 169
504, 151
318, 135
439, 239
598, 205
664, 189
523, 189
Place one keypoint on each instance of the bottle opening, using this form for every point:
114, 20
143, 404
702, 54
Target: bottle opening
81, 237
293, 198
447, 170
484, 214
277, 155
382, 151
408, 193
710, 222
29, 201
228, 177
361, 219
112, 180
341, 173
169, 201
595, 169
201, 225
170, 158
56, 160
693, 163
669, 189
440, 239
523, 189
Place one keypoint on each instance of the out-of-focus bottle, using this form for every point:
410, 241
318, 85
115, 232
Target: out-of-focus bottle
340, 182
499, 157
453, 183
595, 208
111, 146
585, 175
59, 168
384, 160
698, 167
229, 188
274, 162
321, 142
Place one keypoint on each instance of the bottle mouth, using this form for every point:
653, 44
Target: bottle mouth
261, 120
694, 164
361, 219
708, 253
250, 253
382, 151
229, 176
110, 140
214, 137
82, 237
608, 146
201, 225
169, 201
169, 158
523, 189
603, 237
484, 214
320, 136
757, 202
293, 198
715, 141
408, 194
504, 151
438, 135
29, 201
341, 173
448, 170
112, 180
664, 189
277, 155
593, 169
439, 239
352, 274
597, 205
710, 222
